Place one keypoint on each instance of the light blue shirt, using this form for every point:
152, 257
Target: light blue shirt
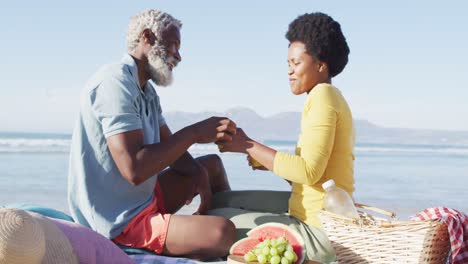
111, 103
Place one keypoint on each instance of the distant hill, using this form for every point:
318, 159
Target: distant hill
285, 126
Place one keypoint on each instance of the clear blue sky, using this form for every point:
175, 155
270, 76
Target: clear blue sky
408, 63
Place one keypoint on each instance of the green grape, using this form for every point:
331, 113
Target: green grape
290, 248
266, 242
258, 251
285, 261
275, 260
289, 255
295, 257
266, 251
282, 240
281, 248
262, 259
273, 251
250, 256
273, 242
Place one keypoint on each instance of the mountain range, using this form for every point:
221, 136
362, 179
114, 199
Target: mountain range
286, 126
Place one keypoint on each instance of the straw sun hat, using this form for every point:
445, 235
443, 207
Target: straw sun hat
32, 238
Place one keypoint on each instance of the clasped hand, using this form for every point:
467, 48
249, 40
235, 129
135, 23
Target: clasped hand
214, 129
239, 142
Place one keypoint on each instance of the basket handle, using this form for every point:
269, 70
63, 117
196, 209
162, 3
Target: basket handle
375, 209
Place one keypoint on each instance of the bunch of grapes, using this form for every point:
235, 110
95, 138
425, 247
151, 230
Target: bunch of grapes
273, 251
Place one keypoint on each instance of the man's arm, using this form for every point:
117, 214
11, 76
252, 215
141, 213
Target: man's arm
138, 162
185, 164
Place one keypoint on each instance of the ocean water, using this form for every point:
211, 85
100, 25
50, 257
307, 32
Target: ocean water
400, 178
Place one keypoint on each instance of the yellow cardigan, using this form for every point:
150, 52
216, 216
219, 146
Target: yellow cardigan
324, 151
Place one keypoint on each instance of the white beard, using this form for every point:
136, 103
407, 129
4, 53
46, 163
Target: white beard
158, 65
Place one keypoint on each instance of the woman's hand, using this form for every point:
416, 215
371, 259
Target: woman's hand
240, 143
255, 164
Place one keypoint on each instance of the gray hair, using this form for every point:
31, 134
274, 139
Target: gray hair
152, 19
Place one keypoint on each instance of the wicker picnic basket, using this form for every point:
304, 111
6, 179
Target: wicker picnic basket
378, 240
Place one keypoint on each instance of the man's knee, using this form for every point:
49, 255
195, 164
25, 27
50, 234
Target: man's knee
213, 163
224, 235
215, 169
215, 160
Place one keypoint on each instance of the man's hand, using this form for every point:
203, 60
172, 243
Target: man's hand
214, 129
202, 186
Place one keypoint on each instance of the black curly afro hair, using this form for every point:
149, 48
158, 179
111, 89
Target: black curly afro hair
323, 39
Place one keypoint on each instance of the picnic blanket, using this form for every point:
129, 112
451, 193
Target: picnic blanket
156, 259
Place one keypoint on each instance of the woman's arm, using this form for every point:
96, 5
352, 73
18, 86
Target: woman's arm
318, 138
241, 143
317, 141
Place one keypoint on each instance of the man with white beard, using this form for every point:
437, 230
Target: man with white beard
128, 173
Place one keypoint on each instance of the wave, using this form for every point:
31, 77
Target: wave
414, 150
28, 145
62, 145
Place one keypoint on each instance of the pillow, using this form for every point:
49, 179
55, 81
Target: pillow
91, 247
45, 211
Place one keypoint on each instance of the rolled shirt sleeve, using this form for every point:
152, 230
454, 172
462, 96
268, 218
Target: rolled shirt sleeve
115, 105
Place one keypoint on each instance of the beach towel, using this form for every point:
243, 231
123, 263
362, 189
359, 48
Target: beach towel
156, 259
42, 210
457, 224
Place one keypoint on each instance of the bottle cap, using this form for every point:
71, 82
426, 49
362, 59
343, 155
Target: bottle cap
328, 184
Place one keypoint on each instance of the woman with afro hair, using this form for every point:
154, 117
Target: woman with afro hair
317, 52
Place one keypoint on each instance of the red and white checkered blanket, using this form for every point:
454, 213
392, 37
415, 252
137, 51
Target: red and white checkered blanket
457, 224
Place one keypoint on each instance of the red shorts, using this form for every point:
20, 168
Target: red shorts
148, 229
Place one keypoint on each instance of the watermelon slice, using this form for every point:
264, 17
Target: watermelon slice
243, 246
269, 231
